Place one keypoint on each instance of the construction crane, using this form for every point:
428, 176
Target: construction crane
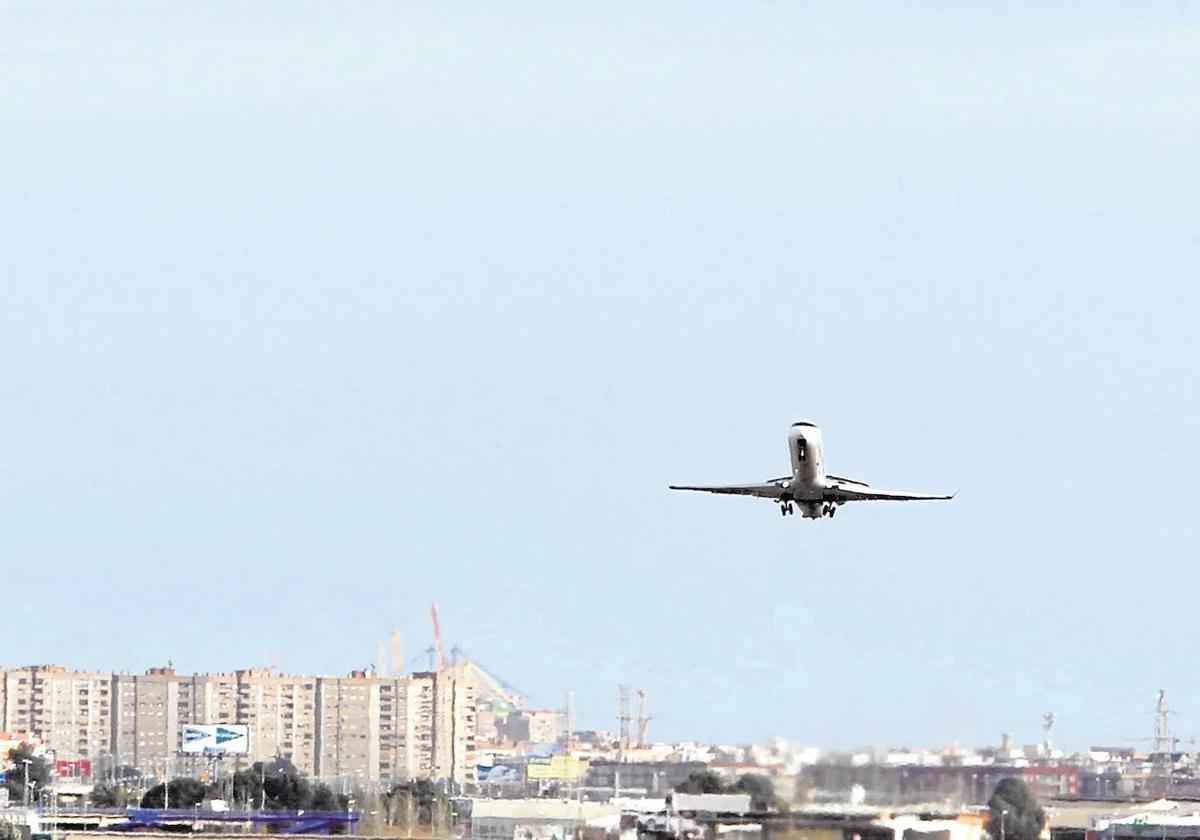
493, 687
430, 657
624, 741
437, 637
643, 718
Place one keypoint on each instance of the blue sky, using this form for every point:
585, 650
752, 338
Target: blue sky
316, 312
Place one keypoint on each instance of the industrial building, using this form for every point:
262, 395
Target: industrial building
652, 778
971, 784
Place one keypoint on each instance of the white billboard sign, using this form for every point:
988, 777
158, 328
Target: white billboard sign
217, 738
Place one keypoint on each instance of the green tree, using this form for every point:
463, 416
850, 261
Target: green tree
287, 791
280, 787
183, 793
323, 798
39, 773
106, 795
760, 788
418, 800
1015, 812
702, 781
246, 787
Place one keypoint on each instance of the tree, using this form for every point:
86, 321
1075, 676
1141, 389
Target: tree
287, 792
760, 788
276, 787
39, 772
323, 798
1015, 812
183, 793
703, 781
417, 800
106, 795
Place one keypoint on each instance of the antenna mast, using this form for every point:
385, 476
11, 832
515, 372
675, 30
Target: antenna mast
1164, 742
569, 723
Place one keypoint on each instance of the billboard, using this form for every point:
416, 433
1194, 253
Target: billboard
218, 738
81, 769
497, 773
555, 767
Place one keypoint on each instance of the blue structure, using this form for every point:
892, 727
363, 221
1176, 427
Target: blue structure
289, 822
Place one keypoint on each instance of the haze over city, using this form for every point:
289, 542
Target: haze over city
315, 318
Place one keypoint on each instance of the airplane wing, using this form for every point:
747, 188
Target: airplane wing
766, 490
854, 491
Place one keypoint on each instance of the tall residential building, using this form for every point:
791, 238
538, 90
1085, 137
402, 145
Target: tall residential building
280, 710
344, 730
70, 711
537, 726
454, 727
145, 729
347, 728
371, 727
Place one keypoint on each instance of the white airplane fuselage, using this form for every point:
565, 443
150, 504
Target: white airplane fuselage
808, 485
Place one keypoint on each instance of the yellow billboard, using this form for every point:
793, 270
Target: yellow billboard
554, 767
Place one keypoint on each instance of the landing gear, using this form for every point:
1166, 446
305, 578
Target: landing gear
786, 508
829, 510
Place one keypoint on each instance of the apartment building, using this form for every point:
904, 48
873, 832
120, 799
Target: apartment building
454, 728
536, 726
441, 727
371, 727
347, 728
146, 720
352, 730
70, 711
279, 709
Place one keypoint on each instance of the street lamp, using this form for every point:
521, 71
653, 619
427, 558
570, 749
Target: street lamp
1003, 814
26, 762
166, 784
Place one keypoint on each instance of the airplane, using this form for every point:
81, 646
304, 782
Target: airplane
817, 492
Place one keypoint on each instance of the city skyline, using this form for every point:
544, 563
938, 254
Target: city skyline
1018, 737
360, 726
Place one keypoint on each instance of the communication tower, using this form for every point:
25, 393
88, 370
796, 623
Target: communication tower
569, 723
1164, 746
